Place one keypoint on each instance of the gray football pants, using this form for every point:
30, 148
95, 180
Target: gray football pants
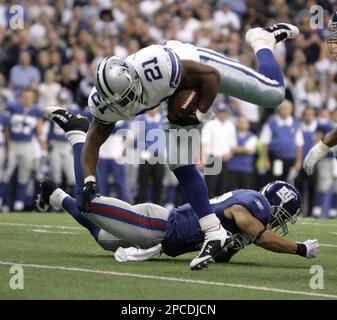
61, 161
20, 155
125, 225
236, 80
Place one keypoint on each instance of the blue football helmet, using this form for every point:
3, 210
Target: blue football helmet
285, 202
332, 36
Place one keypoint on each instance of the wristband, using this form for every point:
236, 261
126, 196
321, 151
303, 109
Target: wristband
89, 179
301, 249
322, 147
200, 116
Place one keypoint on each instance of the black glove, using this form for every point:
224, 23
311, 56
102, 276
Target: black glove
90, 191
185, 120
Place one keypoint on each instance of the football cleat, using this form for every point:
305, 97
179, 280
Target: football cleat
211, 248
66, 120
48, 186
269, 36
283, 31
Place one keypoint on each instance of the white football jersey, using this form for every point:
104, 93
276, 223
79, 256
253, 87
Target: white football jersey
159, 69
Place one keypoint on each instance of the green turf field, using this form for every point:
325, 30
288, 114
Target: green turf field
62, 261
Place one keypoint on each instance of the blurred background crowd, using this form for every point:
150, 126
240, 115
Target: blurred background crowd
52, 61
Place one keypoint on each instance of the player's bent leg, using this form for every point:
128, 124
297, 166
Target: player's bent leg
111, 243
57, 198
75, 129
264, 88
181, 160
141, 225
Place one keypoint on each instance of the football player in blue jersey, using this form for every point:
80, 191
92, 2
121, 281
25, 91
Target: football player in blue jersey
4, 122
247, 216
125, 88
60, 153
24, 126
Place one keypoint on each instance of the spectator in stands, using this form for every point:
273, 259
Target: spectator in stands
241, 165
226, 20
43, 62
86, 85
304, 183
48, 90
217, 140
24, 75
282, 143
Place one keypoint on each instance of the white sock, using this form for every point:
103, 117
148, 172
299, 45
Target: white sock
262, 40
209, 223
262, 44
57, 197
75, 136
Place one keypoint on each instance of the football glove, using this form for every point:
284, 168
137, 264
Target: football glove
90, 191
312, 248
316, 153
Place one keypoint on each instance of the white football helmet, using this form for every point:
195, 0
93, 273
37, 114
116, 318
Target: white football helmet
118, 83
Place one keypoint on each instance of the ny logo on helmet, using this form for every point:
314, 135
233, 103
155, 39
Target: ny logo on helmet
285, 194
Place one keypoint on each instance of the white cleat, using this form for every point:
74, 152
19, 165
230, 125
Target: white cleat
269, 36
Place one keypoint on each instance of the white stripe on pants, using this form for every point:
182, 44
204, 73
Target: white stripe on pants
242, 82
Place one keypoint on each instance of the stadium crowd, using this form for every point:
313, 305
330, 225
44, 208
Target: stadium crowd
52, 61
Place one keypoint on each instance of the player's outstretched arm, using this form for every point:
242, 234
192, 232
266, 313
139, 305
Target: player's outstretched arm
268, 239
201, 76
274, 242
98, 133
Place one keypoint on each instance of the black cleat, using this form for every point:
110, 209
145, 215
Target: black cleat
66, 120
210, 250
48, 186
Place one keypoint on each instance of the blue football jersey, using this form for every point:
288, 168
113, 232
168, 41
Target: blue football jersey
183, 232
23, 123
4, 122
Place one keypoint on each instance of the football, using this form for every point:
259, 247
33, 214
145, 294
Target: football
181, 103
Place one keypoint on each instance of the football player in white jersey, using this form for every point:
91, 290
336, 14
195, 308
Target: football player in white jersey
329, 142
125, 88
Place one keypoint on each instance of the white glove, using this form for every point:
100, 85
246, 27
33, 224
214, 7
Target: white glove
316, 153
312, 248
203, 117
136, 254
